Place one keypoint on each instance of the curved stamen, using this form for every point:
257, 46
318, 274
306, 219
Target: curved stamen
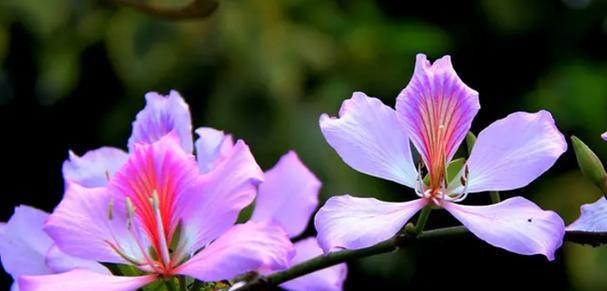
164, 249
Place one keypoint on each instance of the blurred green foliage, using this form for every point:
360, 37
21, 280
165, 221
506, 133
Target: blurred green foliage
270, 68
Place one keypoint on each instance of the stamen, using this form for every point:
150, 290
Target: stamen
110, 209
162, 240
107, 175
130, 212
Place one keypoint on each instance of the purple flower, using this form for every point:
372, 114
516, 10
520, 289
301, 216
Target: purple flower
434, 112
288, 196
155, 210
26, 249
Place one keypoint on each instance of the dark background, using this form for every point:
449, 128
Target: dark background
73, 74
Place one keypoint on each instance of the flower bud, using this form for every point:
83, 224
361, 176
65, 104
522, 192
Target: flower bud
589, 164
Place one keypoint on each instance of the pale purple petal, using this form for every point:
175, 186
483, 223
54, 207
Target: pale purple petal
243, 248
161, 115
515, 224
78, 280
368, 137
437, 109
328, 279
23, 243
95, 167
81, 225
60, 262
288, 195
347, 222
604, 136
216, 199
212, 146
593, 217
512, 152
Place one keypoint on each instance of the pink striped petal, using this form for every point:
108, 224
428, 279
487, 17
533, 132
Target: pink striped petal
437, 109
369, 139
165, 169
243, 248
347, 222
593, 217
161, 115
95, 167
512, 152
515, 224
328, 279
212, 146
288, 195
78, 280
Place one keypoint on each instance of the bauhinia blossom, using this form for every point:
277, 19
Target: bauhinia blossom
26, 249
288, 196
154, 209
434, 112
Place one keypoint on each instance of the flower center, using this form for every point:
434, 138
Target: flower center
148, 215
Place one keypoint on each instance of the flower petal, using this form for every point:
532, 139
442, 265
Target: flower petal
95, 167
78, 280
161, 115
23, 243
515, 224
328, 279
353, 223
212, 146
243, 248
512, 152
288, 195
604, 136
82, 226
593, 217
437, 109
162, 168
214, 202
60, 262
369, 139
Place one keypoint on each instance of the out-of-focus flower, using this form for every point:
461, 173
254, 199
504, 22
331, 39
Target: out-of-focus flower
25, 249
158, 212
435, 112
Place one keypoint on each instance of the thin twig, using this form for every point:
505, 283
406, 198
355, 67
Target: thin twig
392, 244
196, 9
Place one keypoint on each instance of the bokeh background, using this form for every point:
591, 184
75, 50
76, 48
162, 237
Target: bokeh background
73, 74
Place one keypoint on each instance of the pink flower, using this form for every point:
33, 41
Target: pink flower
434, 112
155, 210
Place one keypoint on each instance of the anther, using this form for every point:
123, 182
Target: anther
110, 209
130, 212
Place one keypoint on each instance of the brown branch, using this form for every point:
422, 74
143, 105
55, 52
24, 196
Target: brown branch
196, 9
392, 244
